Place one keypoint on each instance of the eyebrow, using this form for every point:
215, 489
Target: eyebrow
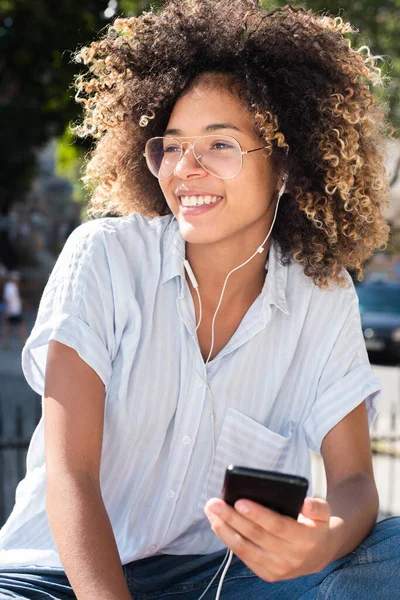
208, 129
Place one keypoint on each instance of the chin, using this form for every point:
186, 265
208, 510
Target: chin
197, 235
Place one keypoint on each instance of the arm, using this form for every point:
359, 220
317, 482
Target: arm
351, 490
276, 547
73, 419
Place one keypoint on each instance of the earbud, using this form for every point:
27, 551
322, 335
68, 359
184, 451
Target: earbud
284, 182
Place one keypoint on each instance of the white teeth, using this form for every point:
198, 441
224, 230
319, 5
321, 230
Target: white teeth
198, 200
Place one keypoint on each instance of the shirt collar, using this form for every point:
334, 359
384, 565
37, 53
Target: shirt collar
173, 249
274, 289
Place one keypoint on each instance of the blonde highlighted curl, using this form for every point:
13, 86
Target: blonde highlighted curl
306, 88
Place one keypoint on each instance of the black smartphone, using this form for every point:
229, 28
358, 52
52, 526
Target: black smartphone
280, 492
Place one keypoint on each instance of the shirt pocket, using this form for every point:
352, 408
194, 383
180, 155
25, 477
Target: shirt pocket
246, 443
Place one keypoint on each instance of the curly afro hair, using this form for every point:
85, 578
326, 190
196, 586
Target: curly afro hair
306, 88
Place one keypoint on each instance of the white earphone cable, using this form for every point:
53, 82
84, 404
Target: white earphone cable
259, 250
205, 381
216, 574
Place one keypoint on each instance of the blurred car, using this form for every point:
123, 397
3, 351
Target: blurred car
379, 303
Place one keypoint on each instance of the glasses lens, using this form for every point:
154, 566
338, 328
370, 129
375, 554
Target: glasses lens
162, 156
219, 155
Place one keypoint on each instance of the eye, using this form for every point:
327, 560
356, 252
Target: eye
221, 146
172, 148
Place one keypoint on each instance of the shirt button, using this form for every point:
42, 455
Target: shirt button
171, 494
186, 439
152, 548
199, 382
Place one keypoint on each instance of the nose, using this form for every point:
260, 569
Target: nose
188, 166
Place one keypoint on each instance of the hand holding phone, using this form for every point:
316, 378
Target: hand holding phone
284, 494
280, 492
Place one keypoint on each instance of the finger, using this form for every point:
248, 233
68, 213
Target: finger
316, 509
248, 529
280, 526
251, 554
270, 566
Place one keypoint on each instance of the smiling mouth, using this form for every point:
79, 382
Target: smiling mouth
198, 200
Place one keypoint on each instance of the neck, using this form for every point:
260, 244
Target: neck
211, 264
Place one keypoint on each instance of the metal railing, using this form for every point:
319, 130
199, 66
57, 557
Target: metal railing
14, 443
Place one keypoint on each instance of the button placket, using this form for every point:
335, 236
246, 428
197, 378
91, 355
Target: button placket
190, 425
186, 421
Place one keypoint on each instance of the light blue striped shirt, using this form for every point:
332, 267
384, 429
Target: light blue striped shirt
293, 369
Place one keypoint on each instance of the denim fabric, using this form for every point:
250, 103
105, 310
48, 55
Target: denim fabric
370, 572
35, 583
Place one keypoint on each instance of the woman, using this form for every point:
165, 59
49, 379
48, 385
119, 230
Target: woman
178, 338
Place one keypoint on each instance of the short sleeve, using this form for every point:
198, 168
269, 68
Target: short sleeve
346, 380
76, 308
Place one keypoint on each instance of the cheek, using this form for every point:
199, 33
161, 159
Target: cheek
260, 180
245, 190
250, 194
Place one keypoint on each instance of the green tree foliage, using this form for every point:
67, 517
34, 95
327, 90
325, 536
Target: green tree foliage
378, 24
136, 7
36, 100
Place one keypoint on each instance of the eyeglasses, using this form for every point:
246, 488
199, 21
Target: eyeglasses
219, 155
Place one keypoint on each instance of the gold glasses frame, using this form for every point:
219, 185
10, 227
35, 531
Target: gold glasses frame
190, 144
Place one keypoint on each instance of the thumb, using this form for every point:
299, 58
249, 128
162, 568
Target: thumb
316, 509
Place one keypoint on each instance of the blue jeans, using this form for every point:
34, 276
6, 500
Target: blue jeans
370, 572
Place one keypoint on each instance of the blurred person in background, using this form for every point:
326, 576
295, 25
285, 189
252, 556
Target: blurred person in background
13, 309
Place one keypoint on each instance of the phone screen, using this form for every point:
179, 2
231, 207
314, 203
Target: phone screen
280, 492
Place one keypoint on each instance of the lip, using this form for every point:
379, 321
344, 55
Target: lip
198, 210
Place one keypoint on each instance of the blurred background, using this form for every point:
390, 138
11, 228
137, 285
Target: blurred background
42, 200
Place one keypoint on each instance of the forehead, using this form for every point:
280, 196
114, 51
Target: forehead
204, 104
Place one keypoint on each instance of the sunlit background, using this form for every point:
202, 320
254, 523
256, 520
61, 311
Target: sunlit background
42, 200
